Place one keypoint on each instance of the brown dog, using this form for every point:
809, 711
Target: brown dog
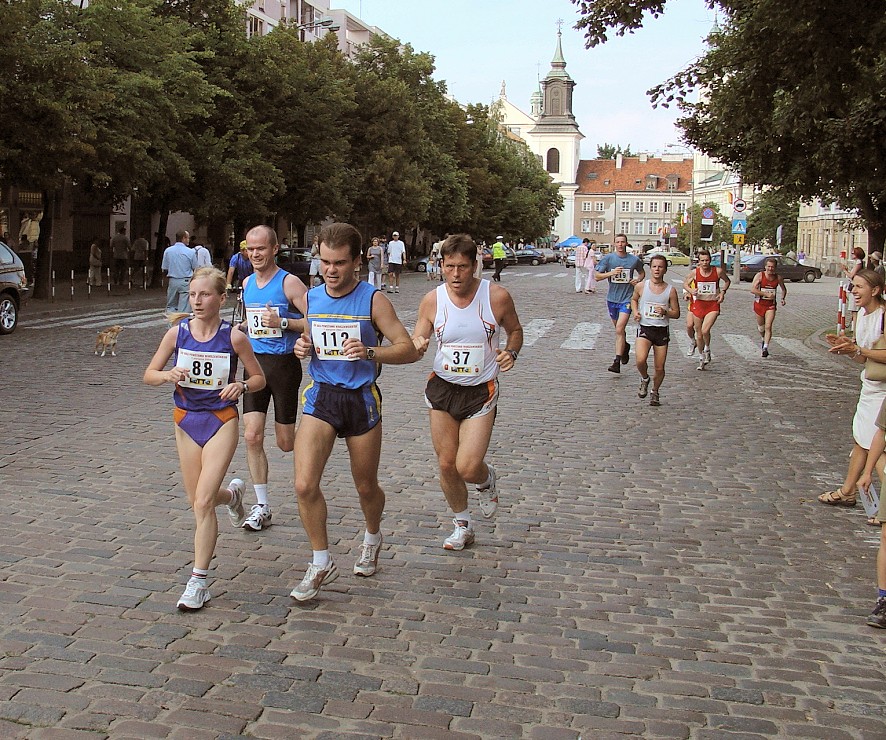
107, 340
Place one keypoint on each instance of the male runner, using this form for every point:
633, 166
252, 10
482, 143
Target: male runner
703, 285
345, 318
764, 287
654, 304
466, 315
273, 324
619, 268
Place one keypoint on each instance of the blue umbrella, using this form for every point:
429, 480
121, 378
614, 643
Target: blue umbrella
572, 241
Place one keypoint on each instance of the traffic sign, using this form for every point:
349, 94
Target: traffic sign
707, 213
738, 238
738, 205
739, 226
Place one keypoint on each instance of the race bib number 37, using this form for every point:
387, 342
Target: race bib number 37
463, 359
329, 338
207, 370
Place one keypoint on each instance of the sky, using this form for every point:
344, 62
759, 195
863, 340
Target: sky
477, 44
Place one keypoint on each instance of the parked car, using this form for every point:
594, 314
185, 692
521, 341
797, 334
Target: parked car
673, 256
419, 264
787, 268
530, 256
296, 261
14, 291
510, 257
550, 254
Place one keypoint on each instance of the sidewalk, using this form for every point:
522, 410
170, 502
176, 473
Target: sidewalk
79, 295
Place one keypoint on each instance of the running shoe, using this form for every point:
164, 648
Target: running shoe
195, 596
707, 357
235, 509
703, 362
316, 576
765, 351
615, 367
367, 563
653, 399
625, 356
259, 518
489, 496
692, 346
397, 289
461, 537
877, 618
644, 387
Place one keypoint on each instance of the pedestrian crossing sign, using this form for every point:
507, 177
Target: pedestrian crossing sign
739, 226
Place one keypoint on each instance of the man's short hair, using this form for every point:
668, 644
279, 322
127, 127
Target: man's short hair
180, 235
624, 236
459, 244
268, 231
339, 235
659, 257
773, 260
701, 251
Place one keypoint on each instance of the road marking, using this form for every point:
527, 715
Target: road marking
682, 340
809, 355
743, 346
535, 330
583, 336
100, 318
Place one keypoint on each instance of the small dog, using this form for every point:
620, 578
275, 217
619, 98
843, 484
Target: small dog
107, 340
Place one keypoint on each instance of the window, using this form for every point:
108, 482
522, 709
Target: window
586, 206
638, 227
653, 206
599, 206
666, 206
625, 206
254, 26
586, 226
681, 207
624, 227
638, 206
553, 161
599, 226
653, 227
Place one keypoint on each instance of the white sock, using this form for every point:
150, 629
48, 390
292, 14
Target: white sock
321, 558
488, 481
200, 574
261, 493
371, 539
463, 516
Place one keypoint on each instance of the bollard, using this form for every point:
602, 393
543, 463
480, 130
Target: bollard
129, 280
72, 285
144, 278
109, 280
88, 290
841, 305
52, 298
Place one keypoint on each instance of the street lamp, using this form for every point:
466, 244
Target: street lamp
326, 22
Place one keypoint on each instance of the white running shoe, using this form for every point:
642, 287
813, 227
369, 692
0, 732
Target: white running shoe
489, 496
703, 362
462, 536
259, 518
707, 356
367, 563
235, 509
194, 597
315, 577
644, 387
692, 346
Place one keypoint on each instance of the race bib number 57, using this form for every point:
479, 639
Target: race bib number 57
329, 338
207, 370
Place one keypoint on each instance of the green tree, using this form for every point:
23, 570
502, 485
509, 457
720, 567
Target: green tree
722, 229
774, 208
801, 83
609, 151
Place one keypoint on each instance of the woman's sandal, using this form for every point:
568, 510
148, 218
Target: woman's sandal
837, 498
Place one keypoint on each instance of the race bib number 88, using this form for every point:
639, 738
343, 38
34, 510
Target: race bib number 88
329, 338
207, 370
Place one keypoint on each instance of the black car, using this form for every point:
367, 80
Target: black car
787, 268
529, 256
14, 291
296, 261
510, 257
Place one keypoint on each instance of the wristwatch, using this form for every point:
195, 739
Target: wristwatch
284, 324
370, 353
245, 386
513, 353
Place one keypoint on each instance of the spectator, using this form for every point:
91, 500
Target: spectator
120, 255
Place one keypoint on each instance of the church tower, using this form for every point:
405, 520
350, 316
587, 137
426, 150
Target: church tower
555, 138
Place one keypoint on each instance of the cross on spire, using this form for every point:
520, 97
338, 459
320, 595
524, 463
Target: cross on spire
560, 25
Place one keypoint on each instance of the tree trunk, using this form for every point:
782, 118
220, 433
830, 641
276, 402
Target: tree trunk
159, 246
874, 214
43, 268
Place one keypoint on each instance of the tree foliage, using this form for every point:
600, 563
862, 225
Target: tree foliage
722, 228
791, 95
610, 151
774, 208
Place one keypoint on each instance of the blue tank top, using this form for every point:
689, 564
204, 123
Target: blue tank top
267, 341
330, 322
212, 365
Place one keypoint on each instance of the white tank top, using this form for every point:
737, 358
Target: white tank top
467, 339
653, 308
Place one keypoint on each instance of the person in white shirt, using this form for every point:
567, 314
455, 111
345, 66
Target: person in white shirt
396, 258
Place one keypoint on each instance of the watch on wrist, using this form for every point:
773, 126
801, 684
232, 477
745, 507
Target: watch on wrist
370, 353
245, 386
284, 324
513, 353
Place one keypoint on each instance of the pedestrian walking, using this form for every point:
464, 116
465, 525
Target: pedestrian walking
205, 352
179, 263
120, 255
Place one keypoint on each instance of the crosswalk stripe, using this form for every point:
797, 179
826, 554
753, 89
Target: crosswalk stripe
743, 346
678, 334
535, 330
583, 336
99, 318
797, 348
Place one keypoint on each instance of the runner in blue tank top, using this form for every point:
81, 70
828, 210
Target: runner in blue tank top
273, 324
206, 350
345, 320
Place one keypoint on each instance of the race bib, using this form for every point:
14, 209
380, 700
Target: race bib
253, 322
707, 291
329, 338
654, 311
206, 370
463, 359
768, 294
623, 276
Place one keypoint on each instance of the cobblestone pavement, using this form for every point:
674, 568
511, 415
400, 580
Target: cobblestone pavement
651, 572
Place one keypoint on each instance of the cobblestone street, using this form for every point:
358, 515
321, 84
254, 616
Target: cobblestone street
660, 573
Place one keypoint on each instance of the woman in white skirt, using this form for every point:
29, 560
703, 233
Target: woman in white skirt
867, 289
